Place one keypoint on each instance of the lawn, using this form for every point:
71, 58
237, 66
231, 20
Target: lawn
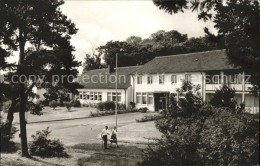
82, 154
57, 114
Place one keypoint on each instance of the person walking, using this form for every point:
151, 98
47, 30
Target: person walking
114, 136
104, 135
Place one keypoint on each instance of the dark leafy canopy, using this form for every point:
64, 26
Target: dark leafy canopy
40, 24
199, 134
135, 51
237, 23
92, 62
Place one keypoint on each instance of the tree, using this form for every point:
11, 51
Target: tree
134, 40
123, 49
237, 23
224, 97
39, 23
92, 62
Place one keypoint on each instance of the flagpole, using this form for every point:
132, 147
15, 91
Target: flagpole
116, 93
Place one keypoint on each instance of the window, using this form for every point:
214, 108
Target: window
138, 98
95, 95
161, 79
174, 79
91, 96
118, 96
149, 79
87, 96
84, 95
109, 97
80, 95
150, 98
144, 98
187, 77
139, 79
99, 96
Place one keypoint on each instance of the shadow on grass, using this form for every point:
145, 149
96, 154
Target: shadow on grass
113, 156
12, 147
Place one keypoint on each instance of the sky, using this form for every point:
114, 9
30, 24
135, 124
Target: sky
102, 21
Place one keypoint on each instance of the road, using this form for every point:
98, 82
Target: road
76, 131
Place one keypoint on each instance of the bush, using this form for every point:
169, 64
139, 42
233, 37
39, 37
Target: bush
68, 105
132, 105
121, 106
143, 110
100, 106
224, 97
44, 147
36, 109
111, 112
53, 104
149, 118
6, 144
76, 103
207, 135
109, 105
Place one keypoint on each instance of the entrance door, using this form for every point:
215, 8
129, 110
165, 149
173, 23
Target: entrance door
162, 103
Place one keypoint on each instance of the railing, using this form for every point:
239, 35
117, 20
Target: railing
237, 87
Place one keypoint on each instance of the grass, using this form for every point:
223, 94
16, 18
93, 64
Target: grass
123, 155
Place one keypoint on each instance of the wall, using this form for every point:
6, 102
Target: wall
196, 79
104, 95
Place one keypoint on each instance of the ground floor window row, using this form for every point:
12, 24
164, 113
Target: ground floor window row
144, 98
97, 96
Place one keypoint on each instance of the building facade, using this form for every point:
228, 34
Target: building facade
100, 86
153, 82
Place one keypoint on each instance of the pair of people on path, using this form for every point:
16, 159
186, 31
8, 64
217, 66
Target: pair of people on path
104, 135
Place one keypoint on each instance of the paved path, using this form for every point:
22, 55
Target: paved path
86, 130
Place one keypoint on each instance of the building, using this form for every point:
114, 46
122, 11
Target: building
153, 82
99, 85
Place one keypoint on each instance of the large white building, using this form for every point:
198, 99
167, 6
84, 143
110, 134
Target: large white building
151, 84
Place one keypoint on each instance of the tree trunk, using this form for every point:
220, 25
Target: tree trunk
10, 115
23, 122
23, 98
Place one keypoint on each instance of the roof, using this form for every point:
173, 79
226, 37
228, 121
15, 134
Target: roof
102, 79
192, 62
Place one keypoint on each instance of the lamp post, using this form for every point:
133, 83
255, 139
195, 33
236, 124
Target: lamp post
116, 92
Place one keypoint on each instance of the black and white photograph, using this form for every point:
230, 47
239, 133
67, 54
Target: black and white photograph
129, 82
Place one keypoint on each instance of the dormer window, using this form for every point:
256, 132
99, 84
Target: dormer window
139, 79
161, 79
149, 79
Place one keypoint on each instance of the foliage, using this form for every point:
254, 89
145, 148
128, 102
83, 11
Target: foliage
53, 104
192, 100
92, 62
36, 109
76, 103
6, 144
111, 112
204, 135
44, 147
132, 105
68, 105
237, 23
143, 110
42, 26
107, 105
147, 118
224, 97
